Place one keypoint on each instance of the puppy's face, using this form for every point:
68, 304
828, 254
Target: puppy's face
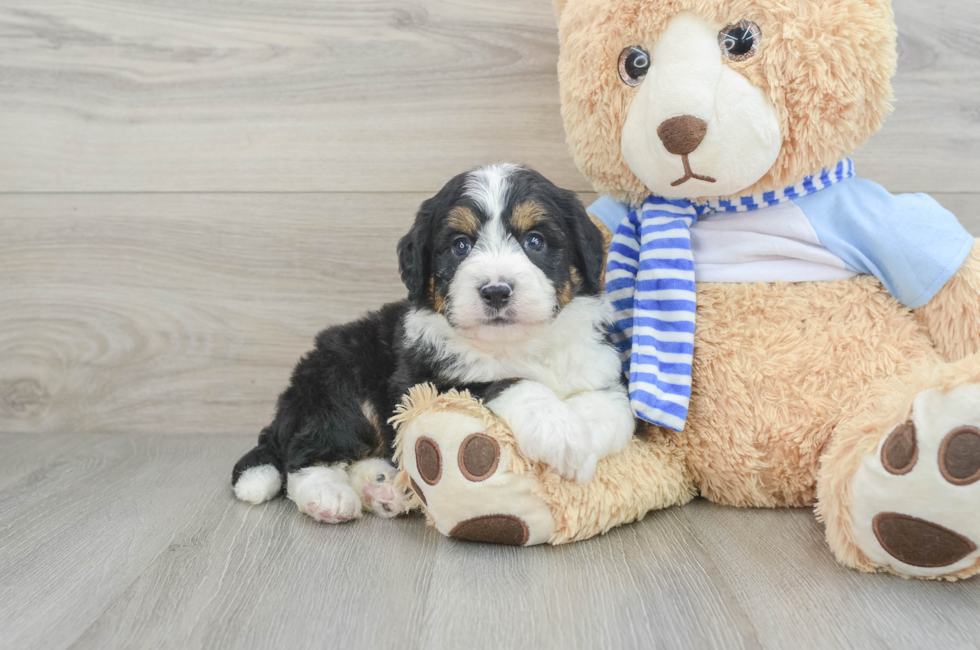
499, 251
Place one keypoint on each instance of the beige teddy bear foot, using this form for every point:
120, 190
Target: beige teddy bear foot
460, 462
467, 472
899, 486
917, 498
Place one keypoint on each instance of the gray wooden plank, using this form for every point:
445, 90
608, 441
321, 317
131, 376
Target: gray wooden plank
299, 95
138, 542
636, 585
780, 569
181, 313
23, 455
274, 95
74, 535
267, 576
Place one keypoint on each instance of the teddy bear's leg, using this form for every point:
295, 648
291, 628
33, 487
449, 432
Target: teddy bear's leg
952, 317
899, 486
468, 474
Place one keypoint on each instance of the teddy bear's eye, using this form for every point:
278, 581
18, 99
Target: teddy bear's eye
634, 63
739, 42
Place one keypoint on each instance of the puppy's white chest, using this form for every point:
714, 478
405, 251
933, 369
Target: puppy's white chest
569, 368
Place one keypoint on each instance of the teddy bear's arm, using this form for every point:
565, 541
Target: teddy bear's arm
953, 315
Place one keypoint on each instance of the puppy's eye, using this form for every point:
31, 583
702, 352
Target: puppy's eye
739, 42
634, 63
462, 246
535, 242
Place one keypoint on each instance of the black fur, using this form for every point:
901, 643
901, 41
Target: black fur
320, 418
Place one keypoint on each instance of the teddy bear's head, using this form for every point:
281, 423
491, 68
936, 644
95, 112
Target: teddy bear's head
717, 98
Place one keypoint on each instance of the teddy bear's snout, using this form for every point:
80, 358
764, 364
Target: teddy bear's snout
683, 134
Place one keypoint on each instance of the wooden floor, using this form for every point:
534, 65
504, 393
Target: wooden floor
190, 190
124, 541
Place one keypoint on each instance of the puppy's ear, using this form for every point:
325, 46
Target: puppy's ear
590, 244
415, 248
414, 255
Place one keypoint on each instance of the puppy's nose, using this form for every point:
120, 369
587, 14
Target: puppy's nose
496, 295
682, 135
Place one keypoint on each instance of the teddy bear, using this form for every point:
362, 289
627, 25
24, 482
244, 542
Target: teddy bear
793, 335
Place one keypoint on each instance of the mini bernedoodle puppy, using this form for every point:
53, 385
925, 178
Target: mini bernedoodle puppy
504, 277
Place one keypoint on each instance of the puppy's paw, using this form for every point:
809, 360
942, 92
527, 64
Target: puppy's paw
334, 503
609, 419
324, 494
373, 480
547, 429
258, 484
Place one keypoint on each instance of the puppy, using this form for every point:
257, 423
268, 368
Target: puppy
504, 277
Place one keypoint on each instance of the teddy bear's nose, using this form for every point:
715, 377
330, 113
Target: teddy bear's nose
681, 135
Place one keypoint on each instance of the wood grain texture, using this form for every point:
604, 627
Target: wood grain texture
137, 541
368, 95
183, 313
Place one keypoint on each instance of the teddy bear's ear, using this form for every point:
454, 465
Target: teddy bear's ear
559, 7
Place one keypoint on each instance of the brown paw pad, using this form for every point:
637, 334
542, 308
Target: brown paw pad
428, 460
959, 456
901, 450
478, 457
920, 543
418, 491
493, 529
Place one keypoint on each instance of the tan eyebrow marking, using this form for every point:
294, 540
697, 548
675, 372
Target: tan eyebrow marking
436, 297
565, 295
462, 219
526, 216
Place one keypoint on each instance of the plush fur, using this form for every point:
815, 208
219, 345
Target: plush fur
797, 388
504, 275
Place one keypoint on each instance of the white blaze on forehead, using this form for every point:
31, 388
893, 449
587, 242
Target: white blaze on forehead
495, 249
488, 187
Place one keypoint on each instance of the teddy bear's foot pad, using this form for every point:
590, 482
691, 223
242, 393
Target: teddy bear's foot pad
493, 529
915, 501
462, 477
920, 543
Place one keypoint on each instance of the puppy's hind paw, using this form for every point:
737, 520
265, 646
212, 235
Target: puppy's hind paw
258, 484
374, 482
324, 494
335, 503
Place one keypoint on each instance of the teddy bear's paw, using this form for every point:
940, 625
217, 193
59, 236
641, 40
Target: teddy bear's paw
461, 474
324, 494
373, 480
916, 501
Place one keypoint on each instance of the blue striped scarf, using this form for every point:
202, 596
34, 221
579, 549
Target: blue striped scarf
650, 281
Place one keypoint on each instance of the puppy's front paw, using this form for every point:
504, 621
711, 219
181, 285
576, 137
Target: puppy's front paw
547, 429
324, 494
